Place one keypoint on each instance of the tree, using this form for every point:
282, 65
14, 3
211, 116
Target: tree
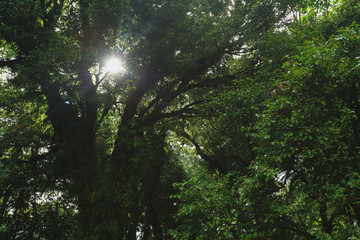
309, 134
302, 182
91, 130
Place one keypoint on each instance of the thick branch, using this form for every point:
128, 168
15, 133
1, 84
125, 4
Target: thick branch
147, 80
179, 113
152, 118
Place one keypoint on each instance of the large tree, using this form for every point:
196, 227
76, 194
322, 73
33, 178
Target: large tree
300, 115
95, 139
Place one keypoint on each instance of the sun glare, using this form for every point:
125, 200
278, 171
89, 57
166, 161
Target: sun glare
114, 65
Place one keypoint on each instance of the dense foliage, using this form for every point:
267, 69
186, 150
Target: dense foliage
227, 120
300, 116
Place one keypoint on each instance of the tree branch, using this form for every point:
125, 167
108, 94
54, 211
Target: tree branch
201, 152
148, 79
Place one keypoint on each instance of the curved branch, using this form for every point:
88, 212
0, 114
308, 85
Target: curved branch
149, 78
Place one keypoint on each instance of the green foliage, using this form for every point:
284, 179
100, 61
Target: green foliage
31, 207
270, 111
208, 208
310, 134
301, 182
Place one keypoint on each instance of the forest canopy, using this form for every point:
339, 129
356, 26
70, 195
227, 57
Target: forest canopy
191, 119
